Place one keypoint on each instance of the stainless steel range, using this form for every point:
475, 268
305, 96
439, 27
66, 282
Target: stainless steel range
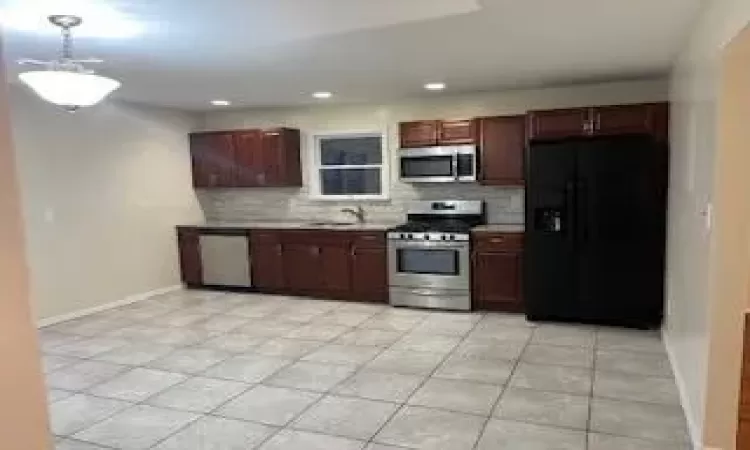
429, 256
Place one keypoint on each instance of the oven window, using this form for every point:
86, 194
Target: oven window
466, 166
427, 166
429, 262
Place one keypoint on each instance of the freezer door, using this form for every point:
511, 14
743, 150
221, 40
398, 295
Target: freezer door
549, 261
621, 207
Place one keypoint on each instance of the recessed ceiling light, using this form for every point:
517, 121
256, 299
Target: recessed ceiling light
322, 94
434, 86
221, 102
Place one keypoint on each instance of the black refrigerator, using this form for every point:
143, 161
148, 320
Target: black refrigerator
595, 231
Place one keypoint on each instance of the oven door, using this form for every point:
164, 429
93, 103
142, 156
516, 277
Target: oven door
428, 165
429, 265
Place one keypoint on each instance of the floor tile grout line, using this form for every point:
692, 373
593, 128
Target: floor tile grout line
499, 398
404, 404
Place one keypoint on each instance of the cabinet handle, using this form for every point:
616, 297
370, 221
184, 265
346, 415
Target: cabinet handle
497, 240
598, 122
279, 249
315, 251
353, 252
368, 238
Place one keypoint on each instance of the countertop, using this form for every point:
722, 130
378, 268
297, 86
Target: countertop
499, 228
292, 225
312, 225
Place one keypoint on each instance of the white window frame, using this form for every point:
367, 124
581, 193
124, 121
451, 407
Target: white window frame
316, 166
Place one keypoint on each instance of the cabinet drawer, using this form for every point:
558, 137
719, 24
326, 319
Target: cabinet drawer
369, 239
265, 237
317, 237
498, 241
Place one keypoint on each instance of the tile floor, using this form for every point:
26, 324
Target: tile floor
196, 370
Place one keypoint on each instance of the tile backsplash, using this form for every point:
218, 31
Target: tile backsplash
504, 205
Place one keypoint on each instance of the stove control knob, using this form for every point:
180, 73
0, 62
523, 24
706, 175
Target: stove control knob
402, 236
443, 237
409, 236
426, 237
452, 237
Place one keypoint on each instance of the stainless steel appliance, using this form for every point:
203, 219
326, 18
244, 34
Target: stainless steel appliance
225, 260
438, 164
429, 256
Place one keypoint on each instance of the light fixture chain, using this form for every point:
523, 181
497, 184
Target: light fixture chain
67, 48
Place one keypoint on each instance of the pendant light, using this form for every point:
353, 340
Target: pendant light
66, 82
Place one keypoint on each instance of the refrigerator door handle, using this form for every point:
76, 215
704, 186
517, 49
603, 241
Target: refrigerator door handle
582, 210
570, 210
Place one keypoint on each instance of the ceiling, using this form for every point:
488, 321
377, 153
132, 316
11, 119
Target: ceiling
277, 52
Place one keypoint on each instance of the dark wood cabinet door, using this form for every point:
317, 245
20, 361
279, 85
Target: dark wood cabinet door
423, 133
502, 147
456, 132
249, 158
370, 274
267, 266
625, 119
302, 269
188, 244
497, 281
335, 270
280, 161
559, 123
213, 159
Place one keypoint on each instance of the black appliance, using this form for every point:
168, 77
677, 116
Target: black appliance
595, 231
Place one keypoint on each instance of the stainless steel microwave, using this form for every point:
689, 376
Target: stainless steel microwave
438, 164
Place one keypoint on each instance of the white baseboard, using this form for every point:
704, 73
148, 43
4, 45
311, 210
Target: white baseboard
693, 428
107, 306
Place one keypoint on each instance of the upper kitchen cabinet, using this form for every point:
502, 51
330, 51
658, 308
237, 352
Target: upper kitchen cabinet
559, 123
632, 119
648, 118
502, 145
280, 150
213, 159
457, 132
423, 133
430, 133
246, 158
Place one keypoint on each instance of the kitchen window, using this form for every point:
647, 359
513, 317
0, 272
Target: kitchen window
350, 166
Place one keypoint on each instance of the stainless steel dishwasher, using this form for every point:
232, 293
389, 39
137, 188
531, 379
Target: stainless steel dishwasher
225, 257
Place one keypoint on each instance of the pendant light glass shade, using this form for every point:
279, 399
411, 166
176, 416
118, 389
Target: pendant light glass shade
70, 90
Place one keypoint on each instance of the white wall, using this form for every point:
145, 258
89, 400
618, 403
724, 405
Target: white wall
102, 191
504, 205
694, 92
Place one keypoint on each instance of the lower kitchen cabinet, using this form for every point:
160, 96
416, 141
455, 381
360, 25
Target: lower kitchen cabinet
267, 261
188, 242
345, 265
301, 268
370, 274
497, 273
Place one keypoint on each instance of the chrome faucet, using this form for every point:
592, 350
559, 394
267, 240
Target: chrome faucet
357, 212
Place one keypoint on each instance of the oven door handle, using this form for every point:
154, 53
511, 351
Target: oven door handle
431, 245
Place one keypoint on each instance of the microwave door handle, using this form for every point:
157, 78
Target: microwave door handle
454, 165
